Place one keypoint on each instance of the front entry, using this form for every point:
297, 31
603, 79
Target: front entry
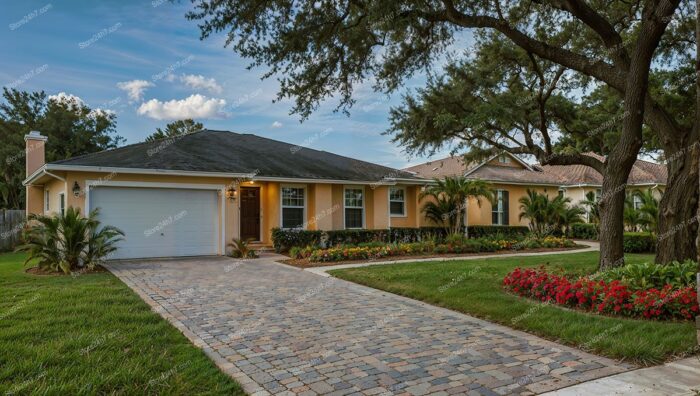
250, 213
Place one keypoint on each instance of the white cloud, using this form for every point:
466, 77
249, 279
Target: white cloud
70, 100
277, 124
200, 82
75, 103
135, 88
101, 112
194, 106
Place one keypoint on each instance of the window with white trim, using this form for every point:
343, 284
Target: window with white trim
354, 207
499, 211
47, 207
637, 201
397, 201
62, 203
293, 207
504, 159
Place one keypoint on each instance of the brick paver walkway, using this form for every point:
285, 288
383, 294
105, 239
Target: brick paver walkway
280, 330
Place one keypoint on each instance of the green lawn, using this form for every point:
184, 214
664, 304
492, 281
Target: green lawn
91, 334
474, 287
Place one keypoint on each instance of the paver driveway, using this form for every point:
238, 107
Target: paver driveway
281, 330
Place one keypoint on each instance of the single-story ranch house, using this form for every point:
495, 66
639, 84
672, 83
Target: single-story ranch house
190, 195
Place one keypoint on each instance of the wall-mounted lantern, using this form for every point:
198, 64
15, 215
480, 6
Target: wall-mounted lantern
231, 192
76, 189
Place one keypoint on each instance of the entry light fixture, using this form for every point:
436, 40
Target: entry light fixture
76, 189
231, 192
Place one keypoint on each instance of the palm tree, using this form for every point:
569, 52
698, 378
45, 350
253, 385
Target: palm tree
450, 199
68, 241
439, 210
591, 204
570, 215
533, 207
547, 214
649, 210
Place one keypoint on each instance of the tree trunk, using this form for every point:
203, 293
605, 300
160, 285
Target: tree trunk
678, 226
611, 210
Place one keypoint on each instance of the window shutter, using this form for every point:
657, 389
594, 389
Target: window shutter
506, 208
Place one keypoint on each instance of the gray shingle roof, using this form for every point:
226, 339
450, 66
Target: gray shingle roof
229, 152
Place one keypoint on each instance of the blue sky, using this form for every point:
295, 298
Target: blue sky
144, 61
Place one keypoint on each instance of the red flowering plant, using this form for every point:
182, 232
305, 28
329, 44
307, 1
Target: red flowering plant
605, 297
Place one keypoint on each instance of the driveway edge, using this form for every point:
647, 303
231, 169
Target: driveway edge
172, 315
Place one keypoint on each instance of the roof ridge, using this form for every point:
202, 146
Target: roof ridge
124, 147
323, 151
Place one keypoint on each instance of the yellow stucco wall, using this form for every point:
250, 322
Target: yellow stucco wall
35, 199
337, 199
55, 187
481, 214
412, 209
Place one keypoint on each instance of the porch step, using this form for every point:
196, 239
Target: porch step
262, 247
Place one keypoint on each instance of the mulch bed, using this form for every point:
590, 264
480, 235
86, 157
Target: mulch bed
43, 272
305, 263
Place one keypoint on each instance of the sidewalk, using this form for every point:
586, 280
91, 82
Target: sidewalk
681, 377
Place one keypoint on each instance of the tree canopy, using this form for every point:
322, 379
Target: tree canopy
73, 129
176, 128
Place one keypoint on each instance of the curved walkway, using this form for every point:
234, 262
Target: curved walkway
281, 330
592, 246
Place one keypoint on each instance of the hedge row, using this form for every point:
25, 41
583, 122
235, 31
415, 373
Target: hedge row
633, 242
587, 231
377, 250
639, 242
284, 240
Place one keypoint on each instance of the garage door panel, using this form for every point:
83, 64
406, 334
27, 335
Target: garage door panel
160, 222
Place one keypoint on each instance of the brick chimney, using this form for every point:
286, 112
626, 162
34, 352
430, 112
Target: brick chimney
35, 155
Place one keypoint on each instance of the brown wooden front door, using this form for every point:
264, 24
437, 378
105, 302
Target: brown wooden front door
250, 213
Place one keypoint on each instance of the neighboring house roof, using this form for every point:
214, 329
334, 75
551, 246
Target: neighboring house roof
450, 166
234, 153
514, 175
643, 172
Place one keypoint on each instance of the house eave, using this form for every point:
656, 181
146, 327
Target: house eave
167, 172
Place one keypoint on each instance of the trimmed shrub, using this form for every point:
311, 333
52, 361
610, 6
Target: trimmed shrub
480, 231
639, 242
587, 231
614, 298
354, 237
412, 234
283, 240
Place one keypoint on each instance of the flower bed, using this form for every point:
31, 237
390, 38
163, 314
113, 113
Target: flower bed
378, 250
614, 297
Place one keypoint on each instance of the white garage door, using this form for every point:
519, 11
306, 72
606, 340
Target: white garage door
160, 222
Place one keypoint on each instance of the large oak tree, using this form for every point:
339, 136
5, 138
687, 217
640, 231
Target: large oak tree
325, 48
